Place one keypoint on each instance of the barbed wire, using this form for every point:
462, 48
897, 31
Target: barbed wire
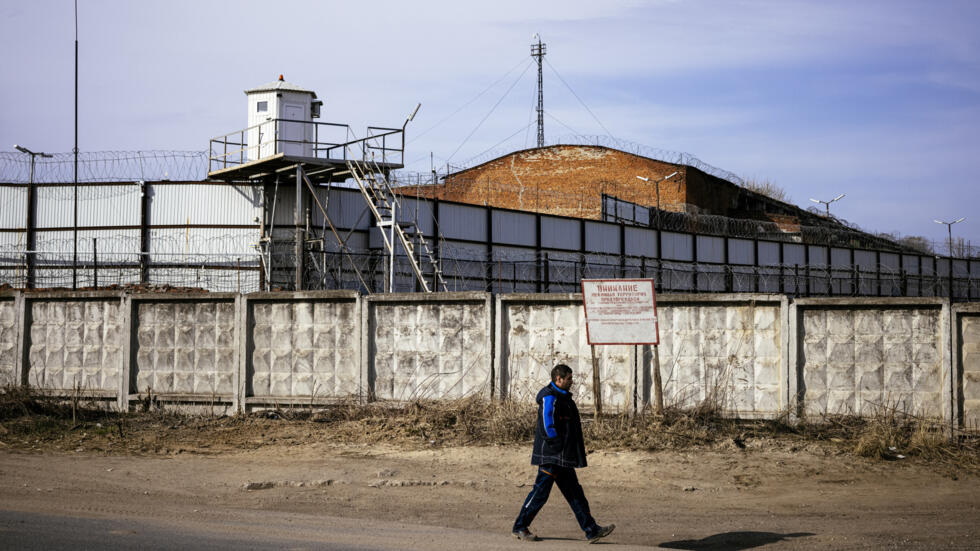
105, 166
521, 274
187, 245
662, 155
619, 210
508, 272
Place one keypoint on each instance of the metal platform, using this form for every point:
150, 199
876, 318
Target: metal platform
322, 150
318, 170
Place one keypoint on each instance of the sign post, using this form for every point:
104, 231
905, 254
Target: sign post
621, 311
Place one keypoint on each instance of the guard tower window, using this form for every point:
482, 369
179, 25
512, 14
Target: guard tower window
261, 106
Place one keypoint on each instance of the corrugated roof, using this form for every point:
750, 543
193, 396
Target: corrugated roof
280, 85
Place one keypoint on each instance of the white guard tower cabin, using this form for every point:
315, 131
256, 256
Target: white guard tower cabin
280, 117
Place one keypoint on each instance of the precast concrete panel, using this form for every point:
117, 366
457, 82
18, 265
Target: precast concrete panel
75, 344
560, 233
728, 354
430, 346
855, 360
641, 242
969, 382
185, 347
602, 237
512, 228
539, 331
8, 343
305, 348
13, 207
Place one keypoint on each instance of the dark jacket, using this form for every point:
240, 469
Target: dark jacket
558, 437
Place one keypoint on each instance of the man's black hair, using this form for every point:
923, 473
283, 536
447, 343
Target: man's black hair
560, 370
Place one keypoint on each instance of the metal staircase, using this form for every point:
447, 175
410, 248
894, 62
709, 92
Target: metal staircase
383, 203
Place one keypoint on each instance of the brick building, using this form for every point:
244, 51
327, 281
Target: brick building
569, 180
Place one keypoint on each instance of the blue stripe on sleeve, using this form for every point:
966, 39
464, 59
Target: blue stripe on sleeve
548, 416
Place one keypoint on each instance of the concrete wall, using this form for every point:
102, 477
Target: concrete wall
75, 342
856, 356
303, 345
540, 330
968, 353
8, 341
186, 346
428, 346
728, 349
725, 348
753, 355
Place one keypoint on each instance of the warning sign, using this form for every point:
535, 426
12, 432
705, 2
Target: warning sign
620, 311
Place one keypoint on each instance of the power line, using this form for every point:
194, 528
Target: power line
492, 109
561, 123
519, 130
467, 104
552, 67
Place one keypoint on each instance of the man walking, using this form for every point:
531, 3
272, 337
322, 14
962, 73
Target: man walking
559, 449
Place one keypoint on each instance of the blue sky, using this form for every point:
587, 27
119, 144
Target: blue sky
876, 99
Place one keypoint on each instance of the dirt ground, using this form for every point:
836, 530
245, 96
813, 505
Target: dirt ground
770, 494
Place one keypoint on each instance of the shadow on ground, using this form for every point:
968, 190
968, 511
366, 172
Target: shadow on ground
733, 541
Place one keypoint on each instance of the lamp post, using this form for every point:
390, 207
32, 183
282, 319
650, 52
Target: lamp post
827, 203
949, 228
30, 223
664, 179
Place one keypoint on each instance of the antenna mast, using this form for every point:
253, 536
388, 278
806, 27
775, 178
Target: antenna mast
538, 51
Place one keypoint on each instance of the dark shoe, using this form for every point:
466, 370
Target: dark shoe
525, 535
602, 532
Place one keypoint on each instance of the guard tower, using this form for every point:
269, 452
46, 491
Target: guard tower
280, 117
283, 132
297, 158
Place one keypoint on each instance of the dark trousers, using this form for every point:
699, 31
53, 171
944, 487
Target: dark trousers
567, 482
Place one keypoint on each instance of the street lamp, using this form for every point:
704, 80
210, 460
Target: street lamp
664, 179
949, 228
827, 203
30, 245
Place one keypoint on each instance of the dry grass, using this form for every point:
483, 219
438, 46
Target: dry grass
29, 420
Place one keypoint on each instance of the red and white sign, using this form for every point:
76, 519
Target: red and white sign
620, 311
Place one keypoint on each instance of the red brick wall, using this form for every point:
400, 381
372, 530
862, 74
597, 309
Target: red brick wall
566, 180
